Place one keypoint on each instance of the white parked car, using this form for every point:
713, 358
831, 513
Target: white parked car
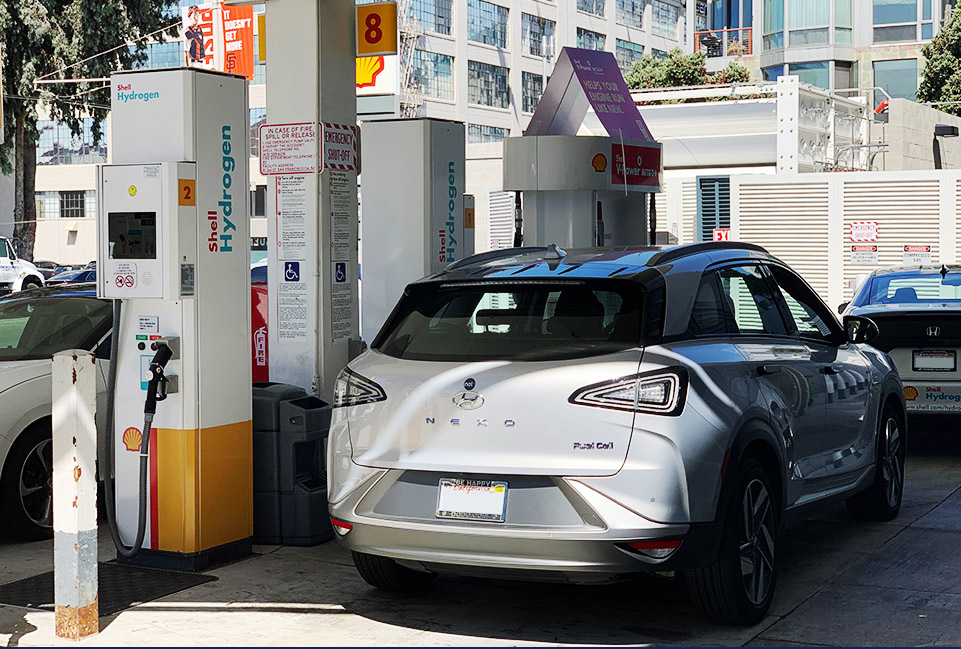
33, 326
16, 274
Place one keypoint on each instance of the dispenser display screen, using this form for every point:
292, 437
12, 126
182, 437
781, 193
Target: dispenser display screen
133, 235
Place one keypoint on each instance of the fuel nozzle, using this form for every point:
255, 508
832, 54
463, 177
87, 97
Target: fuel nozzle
156, 380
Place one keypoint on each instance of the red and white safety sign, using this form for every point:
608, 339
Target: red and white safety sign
864, 231
288, 149
340, 149
722, 234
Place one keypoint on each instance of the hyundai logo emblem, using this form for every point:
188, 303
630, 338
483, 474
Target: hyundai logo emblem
934, 331
470, 384
468, 400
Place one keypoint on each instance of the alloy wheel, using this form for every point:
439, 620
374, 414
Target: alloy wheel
757, 548
891, 466
36, 484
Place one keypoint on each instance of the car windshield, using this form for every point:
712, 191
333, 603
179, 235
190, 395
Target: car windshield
513, 321
913, 287
39, 328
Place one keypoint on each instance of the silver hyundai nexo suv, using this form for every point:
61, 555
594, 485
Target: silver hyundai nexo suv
586, 415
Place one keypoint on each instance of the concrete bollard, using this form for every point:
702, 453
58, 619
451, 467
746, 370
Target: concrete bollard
75, 494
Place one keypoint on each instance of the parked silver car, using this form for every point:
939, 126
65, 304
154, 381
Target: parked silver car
585, 416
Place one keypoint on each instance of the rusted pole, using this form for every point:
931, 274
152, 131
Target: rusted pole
75, 494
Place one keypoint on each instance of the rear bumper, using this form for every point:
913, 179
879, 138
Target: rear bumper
589, 551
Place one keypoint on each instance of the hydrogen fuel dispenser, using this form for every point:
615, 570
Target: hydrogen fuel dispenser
173, 252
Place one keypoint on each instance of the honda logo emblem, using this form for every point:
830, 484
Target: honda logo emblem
934, 331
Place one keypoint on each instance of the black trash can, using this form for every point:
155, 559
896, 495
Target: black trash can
290, 479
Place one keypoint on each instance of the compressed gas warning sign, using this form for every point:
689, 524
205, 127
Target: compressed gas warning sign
916, 255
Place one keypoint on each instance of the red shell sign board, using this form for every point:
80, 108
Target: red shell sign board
638, 166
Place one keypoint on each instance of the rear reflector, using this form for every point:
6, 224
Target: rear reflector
657, 549
341, 527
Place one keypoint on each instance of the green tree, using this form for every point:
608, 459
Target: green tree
56, 38
733, 73
677, 69
941, 79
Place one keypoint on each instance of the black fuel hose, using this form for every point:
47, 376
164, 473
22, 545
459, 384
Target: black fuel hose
107, 453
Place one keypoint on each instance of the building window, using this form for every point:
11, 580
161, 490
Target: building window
73, 205
533, 87
260, 68
537, 35
433, 15
658, 54
435, 74
487, 23
487, 85
665, 19
595, 7
626, 53
588, 40
161, 55
57, 145
773, 36
713, 206
479, 133
816, 73
772, 73
898, 78
258, 117
897, 20
91, 202
630, 12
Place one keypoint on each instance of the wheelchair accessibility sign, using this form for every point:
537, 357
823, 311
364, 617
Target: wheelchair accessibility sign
291, 271
340, 272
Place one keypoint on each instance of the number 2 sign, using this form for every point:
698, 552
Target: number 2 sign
377, 29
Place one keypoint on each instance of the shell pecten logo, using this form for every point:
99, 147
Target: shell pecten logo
599, 162
132, 438
910, 393
368, 68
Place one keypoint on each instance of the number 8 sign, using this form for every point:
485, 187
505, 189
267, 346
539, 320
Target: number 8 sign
377, 29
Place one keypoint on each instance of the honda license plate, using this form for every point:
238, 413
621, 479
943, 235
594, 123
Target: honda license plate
928, 360
475, 500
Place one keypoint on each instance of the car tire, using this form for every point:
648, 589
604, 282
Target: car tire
882, 500
26, 505
387, 574
30, 283
722, 591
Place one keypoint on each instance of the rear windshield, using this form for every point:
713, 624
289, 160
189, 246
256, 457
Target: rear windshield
39, 328
508, 321
912, 288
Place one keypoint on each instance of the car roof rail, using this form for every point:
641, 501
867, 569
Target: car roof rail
493, 255
678, 252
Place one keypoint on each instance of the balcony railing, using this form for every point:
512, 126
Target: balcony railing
724, 42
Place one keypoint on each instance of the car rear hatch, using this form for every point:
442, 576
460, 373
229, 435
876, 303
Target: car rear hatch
516, 418
480, 376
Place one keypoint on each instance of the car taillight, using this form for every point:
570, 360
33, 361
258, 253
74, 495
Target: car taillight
661, 392
658, 549
340, 526
352, 389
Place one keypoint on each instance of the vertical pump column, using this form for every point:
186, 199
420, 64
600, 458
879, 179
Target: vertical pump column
312, 217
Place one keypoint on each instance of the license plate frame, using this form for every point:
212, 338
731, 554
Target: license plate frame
930, 358
468, 499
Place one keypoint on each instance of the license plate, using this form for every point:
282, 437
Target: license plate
475, 500
926, 360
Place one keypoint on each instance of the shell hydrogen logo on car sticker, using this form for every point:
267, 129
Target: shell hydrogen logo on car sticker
132, 438
910, 392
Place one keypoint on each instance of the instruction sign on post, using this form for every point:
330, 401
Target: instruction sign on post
864, 231
864, 255
288, 149
340, 152
917, 255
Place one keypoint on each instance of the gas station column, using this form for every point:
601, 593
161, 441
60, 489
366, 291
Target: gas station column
312, 217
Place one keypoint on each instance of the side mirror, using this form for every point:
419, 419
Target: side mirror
860, 330
842, 307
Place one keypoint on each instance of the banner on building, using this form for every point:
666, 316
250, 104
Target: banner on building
219, 38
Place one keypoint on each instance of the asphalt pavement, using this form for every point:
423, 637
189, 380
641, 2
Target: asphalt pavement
841, 582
